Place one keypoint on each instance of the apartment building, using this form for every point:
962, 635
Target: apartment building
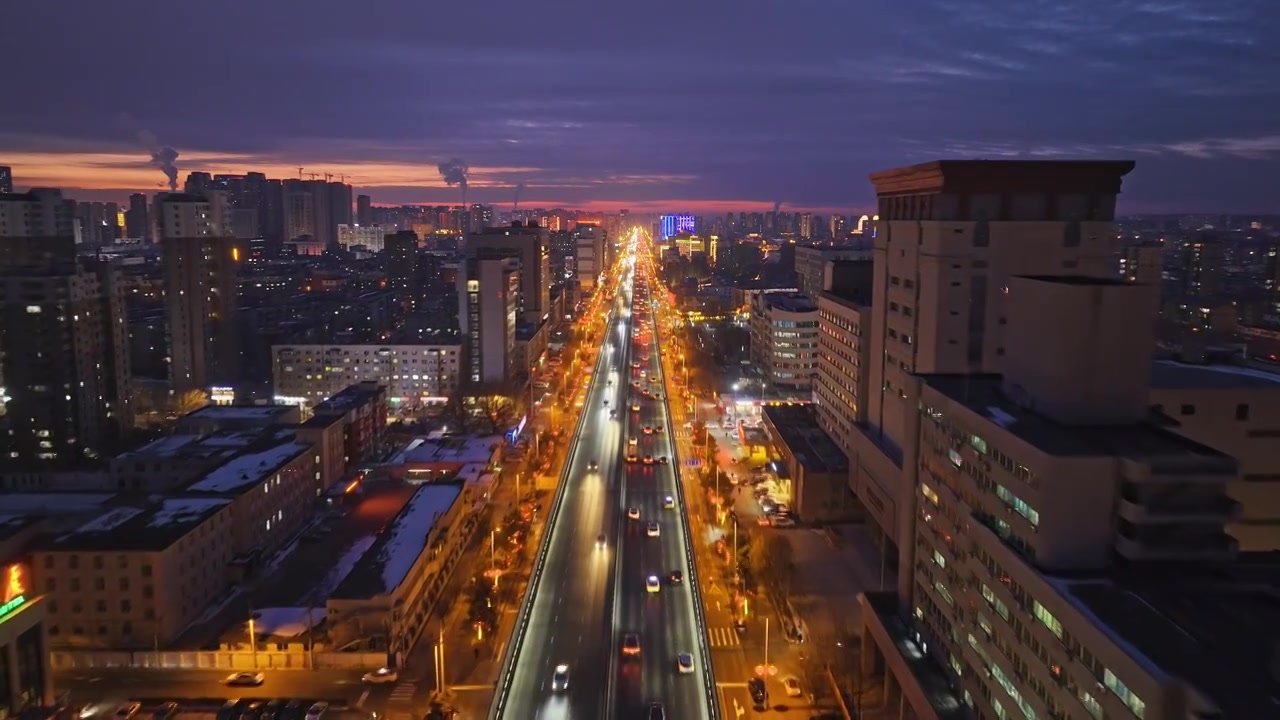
362, 410
811, 263
489, 305
784, 339
412, 374
1068, 555
949, 236
844, 354
372, 237
138, 573
392, 590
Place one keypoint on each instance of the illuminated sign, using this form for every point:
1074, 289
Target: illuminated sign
15, 582
514, 433
11, 607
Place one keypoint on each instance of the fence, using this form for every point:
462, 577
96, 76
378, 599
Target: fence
215, 660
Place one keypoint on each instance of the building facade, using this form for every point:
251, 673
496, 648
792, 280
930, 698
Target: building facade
413, 375
784, 339
530, 245
488, 300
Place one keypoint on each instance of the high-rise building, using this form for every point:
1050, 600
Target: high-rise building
811, 263
671, 225
589, 243
6, 179
64, 365
372, 237
364, 210
1141, 263
488, 298
530, 244
949, 237
136, 223
402, 257
1202, 265
784, 339
316, 208
201, 262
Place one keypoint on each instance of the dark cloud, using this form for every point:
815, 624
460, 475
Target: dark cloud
753, 100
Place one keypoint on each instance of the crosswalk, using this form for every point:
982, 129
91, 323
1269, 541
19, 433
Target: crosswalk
404, 692
723, 637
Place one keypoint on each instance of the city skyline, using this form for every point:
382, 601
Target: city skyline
712, 112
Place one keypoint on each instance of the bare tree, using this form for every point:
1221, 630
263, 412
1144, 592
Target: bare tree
190, 401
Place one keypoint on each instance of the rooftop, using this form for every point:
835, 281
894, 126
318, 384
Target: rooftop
810, 444
239, 413
975, 176
1217, 635
351, 397
1170, 375
11, 525
464, 450
248, 469
389, 560
981, 394
150, 528
790, 302
53, 503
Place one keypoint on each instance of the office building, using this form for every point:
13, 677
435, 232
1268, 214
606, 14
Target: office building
6, 179
64, 364
364, 210
784, 339
413, 375
530, 245
844, 359
488, 301
1068, 558
201, 262
949, 237
589, 264
671, 225
402, 258
811, 263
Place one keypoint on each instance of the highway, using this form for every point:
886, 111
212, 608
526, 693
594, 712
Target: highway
585, 598
107, 688
568, 621
666, 621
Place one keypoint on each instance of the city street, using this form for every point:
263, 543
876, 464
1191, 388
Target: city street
108, 688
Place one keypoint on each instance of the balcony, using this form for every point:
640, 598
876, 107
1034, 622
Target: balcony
1168, 547
1216, 510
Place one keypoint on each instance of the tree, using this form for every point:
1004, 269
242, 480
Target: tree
772, 560
190, 401
496, 410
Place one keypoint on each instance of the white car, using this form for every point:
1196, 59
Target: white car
560, 678
381, 675
651, 584
652, 530
633, 513
668, 502
242, 679
792, 686
684, 663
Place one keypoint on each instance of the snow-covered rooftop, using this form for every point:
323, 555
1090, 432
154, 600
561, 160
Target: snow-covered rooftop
149, 527
238, 412
52, 503
163, 447
248, 469
391, 558
448, 450
185, 510
285, 622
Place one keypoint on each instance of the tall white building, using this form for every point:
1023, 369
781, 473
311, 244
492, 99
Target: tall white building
589, 255
370, 236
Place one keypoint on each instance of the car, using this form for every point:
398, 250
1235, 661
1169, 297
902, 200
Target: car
613, 414
252, 710
662, 460
560, 678
684, 663
759, 694
244, 679
644, 373
668, 502
632, 442
168, 710
792, 686
593, 466
648, 459
657, 429
762, 521
632, 457
630, 644
648, 429
606, 403
635, 365
782, 521
657, 712
651, 584
676, 577
600, 540
317, 710
381, 675
635, 407
633, 513
652, 530
127, 710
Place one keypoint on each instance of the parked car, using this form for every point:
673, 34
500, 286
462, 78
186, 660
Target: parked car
244, 679
381, 675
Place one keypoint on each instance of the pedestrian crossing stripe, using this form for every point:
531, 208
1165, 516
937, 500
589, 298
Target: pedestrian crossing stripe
404, 692
723, 637
693, 462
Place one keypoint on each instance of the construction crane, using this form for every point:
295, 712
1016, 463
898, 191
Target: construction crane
299, 173
313, 176
328, 177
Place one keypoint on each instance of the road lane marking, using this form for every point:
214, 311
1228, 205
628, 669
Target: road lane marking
363, 696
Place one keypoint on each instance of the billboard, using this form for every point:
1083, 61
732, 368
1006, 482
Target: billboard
675, 224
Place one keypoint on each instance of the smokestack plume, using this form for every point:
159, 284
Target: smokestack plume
163, 157
454, 172
519, 189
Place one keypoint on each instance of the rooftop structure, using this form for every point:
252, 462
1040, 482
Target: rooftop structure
812, 447
152, 527
248, 469
392, 556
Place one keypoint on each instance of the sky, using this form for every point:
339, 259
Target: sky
697, 105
